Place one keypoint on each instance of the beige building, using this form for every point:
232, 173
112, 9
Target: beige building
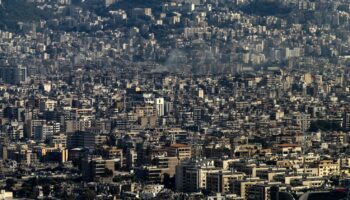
191, 175
241, 187
224, 163
313, 182
60, 154
94, 168
263, 191
219, 181
287, 149
328, 167
6, 195
167, 164
181, 151
308, 79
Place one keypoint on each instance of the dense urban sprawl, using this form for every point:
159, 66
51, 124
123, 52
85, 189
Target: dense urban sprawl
180, 99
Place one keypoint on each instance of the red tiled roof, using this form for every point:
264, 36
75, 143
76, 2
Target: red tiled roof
287, 145
179, 145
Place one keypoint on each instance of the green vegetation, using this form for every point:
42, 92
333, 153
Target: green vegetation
128, 5
14, 11
9, 184
87, 194
46, 190
323, 125
266, 8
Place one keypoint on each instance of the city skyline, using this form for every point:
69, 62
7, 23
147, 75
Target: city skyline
175, 99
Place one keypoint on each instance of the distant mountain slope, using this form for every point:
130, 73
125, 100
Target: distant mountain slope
129, 5
266, 7
14, 11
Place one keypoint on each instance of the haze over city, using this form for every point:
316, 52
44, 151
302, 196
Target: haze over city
175, 99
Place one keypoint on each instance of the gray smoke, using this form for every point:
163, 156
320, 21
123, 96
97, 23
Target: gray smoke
177, 58
204, 61
199, 60
175, 62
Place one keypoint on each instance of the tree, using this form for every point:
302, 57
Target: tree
114, 190
324, 125
9, 184
107, 173
34, 193
66, 196
57, 188
46, 190
13, 11
169, 182
87, 194
266, 7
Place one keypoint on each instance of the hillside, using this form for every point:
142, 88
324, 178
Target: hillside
14, 11
266, 8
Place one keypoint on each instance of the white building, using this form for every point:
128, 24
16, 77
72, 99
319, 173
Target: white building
160, 106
